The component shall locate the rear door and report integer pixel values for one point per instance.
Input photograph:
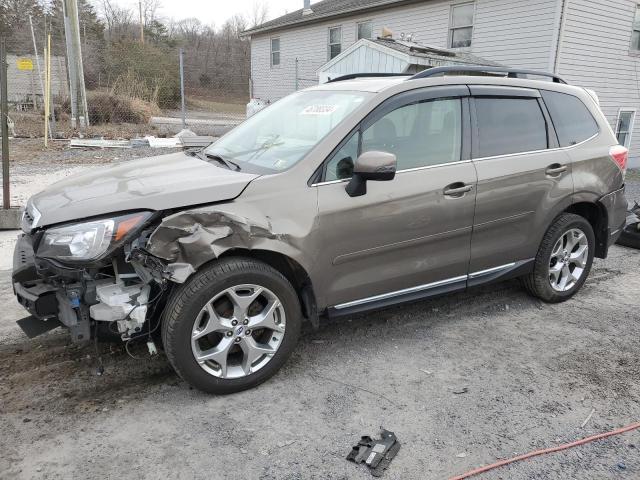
(522, 177)
(411, 234)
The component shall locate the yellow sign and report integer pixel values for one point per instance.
(25, 64)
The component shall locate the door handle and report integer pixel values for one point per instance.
(457, 189)
(556, 169)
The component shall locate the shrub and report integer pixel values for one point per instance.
(144, 71)
(106, 107)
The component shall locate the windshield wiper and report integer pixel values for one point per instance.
(224, 161)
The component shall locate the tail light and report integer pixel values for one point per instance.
(620, 155)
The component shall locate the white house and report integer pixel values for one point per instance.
(591, 43)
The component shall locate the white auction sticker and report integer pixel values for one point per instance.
(319, 110)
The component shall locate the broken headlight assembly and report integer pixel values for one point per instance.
(90, 240)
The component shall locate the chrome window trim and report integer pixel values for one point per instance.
(426, 286)
(532, 152)
(415, 169)
(427, 167)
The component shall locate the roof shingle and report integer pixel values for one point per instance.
(321, 10)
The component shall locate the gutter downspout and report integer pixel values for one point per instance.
(560, 38)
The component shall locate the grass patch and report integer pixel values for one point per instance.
(234, 106)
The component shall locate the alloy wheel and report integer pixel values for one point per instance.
(568, 260)
(238, 331)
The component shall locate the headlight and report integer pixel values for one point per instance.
(90, 240)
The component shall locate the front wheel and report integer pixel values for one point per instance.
(564, 259)
(231, 326)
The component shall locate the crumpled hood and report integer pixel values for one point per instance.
(154, 183)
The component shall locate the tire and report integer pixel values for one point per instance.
(214, 298)
(545, 282)
(630, 236)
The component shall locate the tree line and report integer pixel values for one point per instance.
(119, 54)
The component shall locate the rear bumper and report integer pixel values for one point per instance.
(616, 206)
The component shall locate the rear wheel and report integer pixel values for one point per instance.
(232, 326)
(564, 259)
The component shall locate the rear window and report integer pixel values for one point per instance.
(571, 118)
(510, 125)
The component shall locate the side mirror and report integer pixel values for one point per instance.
(374, 166)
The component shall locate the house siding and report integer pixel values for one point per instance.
(517, 33)
(596, 53)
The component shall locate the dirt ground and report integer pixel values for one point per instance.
(531, 374)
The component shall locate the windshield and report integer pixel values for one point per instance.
(279, 136)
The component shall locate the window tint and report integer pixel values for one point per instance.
(510, 125)
(341, 164)
(571, 118)
(421, 134)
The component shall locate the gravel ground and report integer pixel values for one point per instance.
(532, 373)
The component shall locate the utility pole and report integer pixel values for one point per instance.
(4, 113)
(35, 51)
(141, 23)
(79, 110)
(184, 110)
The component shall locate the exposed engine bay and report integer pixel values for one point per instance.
(119, 296)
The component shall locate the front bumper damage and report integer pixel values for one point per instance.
(115, 296)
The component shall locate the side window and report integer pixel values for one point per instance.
(335, 42)
(461, 25)
(340, 166)
(624, 127)
(275, 52)
(420, 134)
(635, 34)
(510, 125)
(571, 118)
(365, 30)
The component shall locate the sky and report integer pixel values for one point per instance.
(217, 11)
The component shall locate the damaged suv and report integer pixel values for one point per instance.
(342, 198)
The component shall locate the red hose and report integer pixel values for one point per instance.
(535, 453)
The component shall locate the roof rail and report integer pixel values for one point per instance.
(464, 69)
(352, 76)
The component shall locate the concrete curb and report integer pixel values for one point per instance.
(10, 219)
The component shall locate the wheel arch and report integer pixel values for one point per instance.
(596, 214)
(293, 272)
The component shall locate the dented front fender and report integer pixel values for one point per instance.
(260, 219)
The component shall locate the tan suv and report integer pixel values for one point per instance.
(349, 196)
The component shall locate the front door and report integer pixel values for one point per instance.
(522, 177)
(410, 234)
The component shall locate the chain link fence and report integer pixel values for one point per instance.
(137, 90)
(272, 79)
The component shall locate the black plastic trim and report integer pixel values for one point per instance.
(466, 69)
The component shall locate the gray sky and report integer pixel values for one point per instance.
(216, 11)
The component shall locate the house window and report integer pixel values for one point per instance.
(461, 29)
(365, 30)
(624, 127)
(335, 42)
(635, 35)
(275, 52)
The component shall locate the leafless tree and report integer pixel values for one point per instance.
(119, 20)
(258, 14)
(150, 11)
